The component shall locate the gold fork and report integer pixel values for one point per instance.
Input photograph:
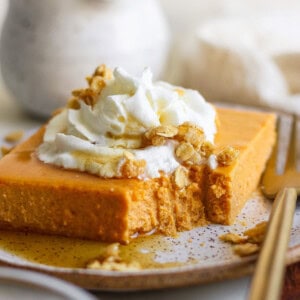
(281, 179)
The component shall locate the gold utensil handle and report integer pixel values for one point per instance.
(269, 271)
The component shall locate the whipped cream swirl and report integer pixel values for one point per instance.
(96, 138)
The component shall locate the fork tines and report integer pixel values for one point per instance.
(297, 142)
(288, 146)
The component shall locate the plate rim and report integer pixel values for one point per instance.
(152, 279)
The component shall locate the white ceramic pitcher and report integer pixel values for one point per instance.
(48, 47)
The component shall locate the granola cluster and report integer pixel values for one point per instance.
(227, 156)
(158, 136)
(192, 148)
(248, 243)
(91, 94)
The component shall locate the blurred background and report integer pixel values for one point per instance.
(237, 51)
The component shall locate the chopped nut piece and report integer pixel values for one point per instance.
(184, 151)
(257, 233)
(232, 238)
(73, 103)
(158, 135)
(183, 129)
(97, 84)
(103, 71)
(245, 249)
(249, 243)
(158, 141)
(227, 156)
(167, 131)
(196, 158)
(206, 149)
(181, 177)
(14, 136)
(191, 133)
(91, 94)
(86, 95)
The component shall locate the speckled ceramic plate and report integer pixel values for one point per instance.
(194, 257)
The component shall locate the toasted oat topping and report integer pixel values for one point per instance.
(87, 95)
(73, 103)
(227, 156)
(181, 177)
(184, 151)
(97, 84)
(158, 135)
(14, 136)
(257, 233)
(112, 261)
(191, 133)
(167, 131)
(206, 149)
(103, 72)
(249, 243)
(192, 149)
(195, 159)
(233, 238)
(90, 95)
(245, 249)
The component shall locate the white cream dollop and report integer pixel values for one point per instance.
(95, 139)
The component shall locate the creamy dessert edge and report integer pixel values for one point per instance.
(122, 126)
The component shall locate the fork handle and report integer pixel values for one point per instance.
(269, 270)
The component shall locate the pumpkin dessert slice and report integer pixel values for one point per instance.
(128, 156)
(39, 197)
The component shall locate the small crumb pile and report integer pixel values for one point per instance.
(249, 242)
(112, 261)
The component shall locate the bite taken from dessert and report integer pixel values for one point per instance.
(128, 156)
